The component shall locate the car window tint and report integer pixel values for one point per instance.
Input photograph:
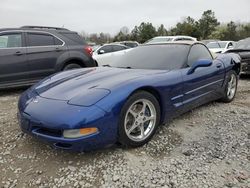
(187, 39)
(118, 48)
(213, 45)
(57, 41)
(160, 57)
(106, 49)
(37, 39)
(11, 40)
(74, 37)
(197, 52)
(178, 39)
(131, 45)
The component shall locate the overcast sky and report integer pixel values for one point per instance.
(110, 15)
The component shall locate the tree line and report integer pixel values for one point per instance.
(207, 27)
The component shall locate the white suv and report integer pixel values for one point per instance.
(163, 39)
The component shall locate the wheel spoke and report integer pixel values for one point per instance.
(134, 114)
(142, 130)
(144, 105)
(133, 127)
(146, 118)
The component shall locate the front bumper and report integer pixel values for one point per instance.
(46, 120)
(245, 68)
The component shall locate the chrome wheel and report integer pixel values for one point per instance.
(231, 87)
(140, 120)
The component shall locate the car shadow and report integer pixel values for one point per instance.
(245, 77)
(12, 91)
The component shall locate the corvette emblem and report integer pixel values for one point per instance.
(35, 100)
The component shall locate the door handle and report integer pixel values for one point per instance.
(18, 53)
(218, 65)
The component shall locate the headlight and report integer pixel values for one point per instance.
(77, 133)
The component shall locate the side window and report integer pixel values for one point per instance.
(105, 49)
(178, 39)
(37, 39)
(118, 48)
(13, 40)
(197, 52)
(230, 45)
(187, 39)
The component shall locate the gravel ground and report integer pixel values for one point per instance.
(208, 147)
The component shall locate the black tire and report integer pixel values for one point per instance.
(227, 98)
(72, 66)
(122, 135)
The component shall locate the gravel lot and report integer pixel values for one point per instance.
(208, 147)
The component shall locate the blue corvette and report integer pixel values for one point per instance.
(86, 109)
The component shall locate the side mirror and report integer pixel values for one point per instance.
(101, 52)
(199, 63)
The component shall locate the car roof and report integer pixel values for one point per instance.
(117, 44)
(176, 36)
(38, 28)
(221, 41)
(176, 42)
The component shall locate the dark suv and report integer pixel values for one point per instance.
(30, 53)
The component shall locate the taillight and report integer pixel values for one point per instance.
(89, 50)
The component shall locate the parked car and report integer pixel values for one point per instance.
(30, 53)
(209, 40)
(96, 107)
(130, 44)
(243, 49)
(108, 53)
(220, 46)
(163, 39)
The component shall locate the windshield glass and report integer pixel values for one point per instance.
(212, 45)
(94, 48)
(222, 44)
(166, 57)
(243, 44)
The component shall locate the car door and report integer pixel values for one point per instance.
(204, 83)
(43, 49)
(13, 59)
(104, 55)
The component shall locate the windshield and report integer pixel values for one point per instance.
(94, 48)
(161, 39)
(243, 44)
(212, 45)
(222, 44)
(166, 57)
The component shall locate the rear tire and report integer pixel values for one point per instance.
(139, 119)
(231, 87)
(72, 66)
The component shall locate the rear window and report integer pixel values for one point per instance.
(74, 37)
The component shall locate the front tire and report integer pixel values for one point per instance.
(231, 87)
(139, 119)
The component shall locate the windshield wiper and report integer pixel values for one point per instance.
(106, 65)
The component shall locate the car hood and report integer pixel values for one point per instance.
(91, 84)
